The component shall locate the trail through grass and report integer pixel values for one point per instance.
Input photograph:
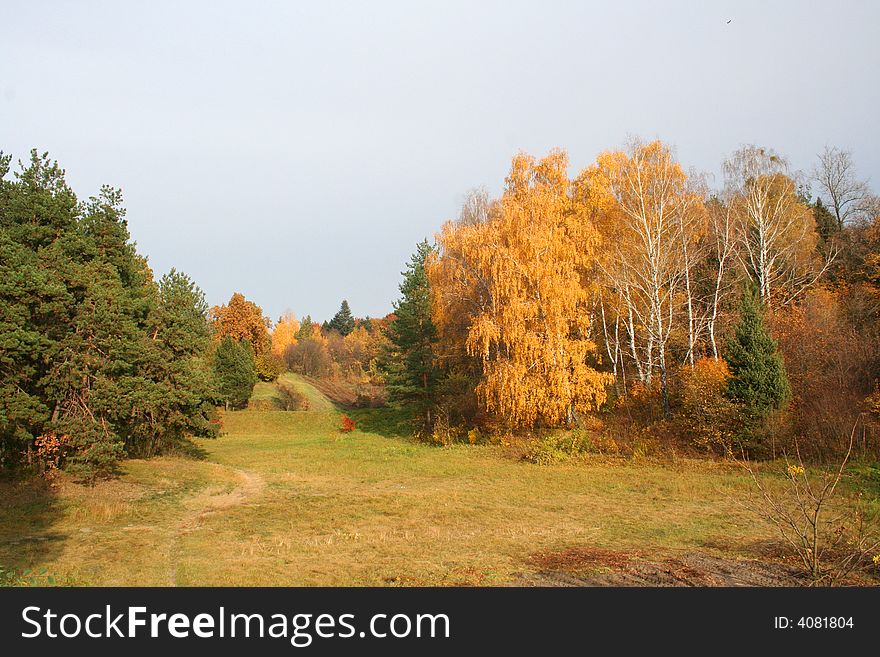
(284, 498)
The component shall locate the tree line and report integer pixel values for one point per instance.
(628, 288)
(631, 294)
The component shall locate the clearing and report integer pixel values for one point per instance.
(284, 498)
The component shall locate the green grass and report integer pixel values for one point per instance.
(284, 498)
(266, 395)
(317, 401)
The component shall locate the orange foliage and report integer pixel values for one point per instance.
(533, 258)
(51, 449)
(830, 368)
(707, 415)
(284, 334)
(242, 320)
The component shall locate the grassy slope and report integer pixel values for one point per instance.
(317, 401)
(284, 498)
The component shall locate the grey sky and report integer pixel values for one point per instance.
(297, 151)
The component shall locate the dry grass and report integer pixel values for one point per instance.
(285, 499)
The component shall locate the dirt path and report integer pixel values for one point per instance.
(208, 502)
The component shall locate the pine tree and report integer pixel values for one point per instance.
(93, 353)
(758, 380)
(411, 374)
(235, 371)
(342, 322)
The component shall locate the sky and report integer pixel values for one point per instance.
(297, 151)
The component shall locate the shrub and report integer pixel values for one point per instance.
(831, 537)
(51, 450)
(708, 417)
(831, 366)
(348, 425)
(558, 447)
(269, 366)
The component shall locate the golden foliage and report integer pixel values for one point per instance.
(651, 221)
(284, 334)
(707, 414)
(242, 320)
(525, 278)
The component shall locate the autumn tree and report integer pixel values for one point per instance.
(242, 320)
(775, 229)
(533, 337)
(310, 356)
(651, 221)
(284, 334)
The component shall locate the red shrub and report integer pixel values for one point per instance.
(348, 424)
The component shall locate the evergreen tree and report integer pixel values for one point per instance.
(411, 374)
(758, 380)
(93, 353)
(342, 322)
(235, 372)
(826, 222)
(305, 329)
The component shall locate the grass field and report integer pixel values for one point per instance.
(284, 498)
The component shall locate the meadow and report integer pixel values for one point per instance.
(285, 498)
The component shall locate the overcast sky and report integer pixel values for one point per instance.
(297, 151)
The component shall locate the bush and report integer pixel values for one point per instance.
(558, 447)
(831, 367)
(348, 425)
(708, 417)
(269, 366)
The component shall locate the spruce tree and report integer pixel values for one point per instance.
(235, 371)
(758, 380)
(411, 374)
(342, 322)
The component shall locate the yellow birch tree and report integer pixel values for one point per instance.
(530, 326)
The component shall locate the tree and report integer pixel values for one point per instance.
(532, 338)
(178, 400)
(757, 373)
(826, 222)
(775, 230)
(844, 193)
(235, 371)
(342, 322)
(306, 329)
(651, 221)
(722, 251)
(93, 353)
(284, 334)
(309, 356)
(409, 364)
(242, 320)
